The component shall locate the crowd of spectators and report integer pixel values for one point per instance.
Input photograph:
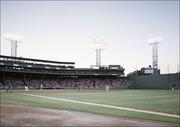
(69, 83)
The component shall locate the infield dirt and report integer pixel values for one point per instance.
(18, 115)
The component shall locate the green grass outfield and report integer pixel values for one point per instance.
(166, 101)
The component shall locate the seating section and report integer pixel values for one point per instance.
(67, 83)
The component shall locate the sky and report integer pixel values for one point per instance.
(65, 30)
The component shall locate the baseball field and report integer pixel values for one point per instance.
(154, 105)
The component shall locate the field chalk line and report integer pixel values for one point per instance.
(108, 106)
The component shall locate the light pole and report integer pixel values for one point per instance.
(98, 47)
(14, 40)
(154, 43)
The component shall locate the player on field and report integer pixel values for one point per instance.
(107, 88)
(41, 86)
(9, 88)
(26, 88)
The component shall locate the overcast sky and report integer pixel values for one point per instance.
(64, 31)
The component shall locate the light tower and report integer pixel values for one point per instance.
(154, 43)
(98, 46)
(14, 40)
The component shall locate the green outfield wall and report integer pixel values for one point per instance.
(163, 81)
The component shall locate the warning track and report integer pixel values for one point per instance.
(107, 106)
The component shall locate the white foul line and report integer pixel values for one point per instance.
(109, 106)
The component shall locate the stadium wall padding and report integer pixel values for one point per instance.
(163, 81)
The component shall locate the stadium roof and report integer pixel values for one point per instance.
(35, 60)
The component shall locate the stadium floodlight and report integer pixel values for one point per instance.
(14, 39)
(154, 42)
(158, 39)
(98, 46)
(151, 41)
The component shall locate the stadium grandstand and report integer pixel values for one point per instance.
(18, 72)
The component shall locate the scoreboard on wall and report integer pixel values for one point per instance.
(114, 66)
(149, 71)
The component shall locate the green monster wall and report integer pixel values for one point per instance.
(163, 81)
